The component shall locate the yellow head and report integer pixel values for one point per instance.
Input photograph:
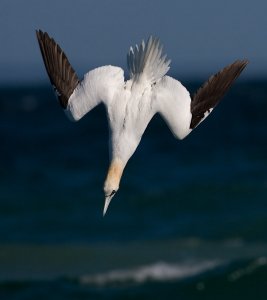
(112, 181)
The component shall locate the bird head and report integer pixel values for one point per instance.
(112, 181)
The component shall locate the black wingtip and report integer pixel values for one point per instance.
(39, 33)
(242, 63)
(61, 74)
(212, 91)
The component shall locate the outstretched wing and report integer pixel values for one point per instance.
(61, 74)
(78, 97)
(172, 100)
(212, 91)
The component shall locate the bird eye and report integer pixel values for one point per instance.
(112, 193)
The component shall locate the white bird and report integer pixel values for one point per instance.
(131, 104)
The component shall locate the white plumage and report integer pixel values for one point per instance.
(131, 104)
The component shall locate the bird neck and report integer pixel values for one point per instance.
(114, 173)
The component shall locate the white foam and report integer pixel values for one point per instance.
(159, 271)
(258, 263)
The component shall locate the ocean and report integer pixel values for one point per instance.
(189, 221)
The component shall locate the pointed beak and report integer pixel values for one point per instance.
(107, 202)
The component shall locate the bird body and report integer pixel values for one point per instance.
(131, 104)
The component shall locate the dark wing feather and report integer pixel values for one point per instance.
(60, 72)
(212, 91)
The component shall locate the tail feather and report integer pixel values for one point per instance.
(147, 59)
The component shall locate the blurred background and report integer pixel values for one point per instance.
(190, 219)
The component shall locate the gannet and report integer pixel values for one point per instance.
(131, 104)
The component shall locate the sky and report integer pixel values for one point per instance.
(200, 37)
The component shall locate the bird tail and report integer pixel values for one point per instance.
(146, 59)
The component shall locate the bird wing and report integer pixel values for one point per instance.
(212, 91)
(75, 96)
(60, 72)
(183, 114)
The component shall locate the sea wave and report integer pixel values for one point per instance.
(234, 279)
(251, 268)
(158, 271)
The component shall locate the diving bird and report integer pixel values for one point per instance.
(131, 104)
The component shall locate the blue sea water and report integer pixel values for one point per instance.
(189, 220)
